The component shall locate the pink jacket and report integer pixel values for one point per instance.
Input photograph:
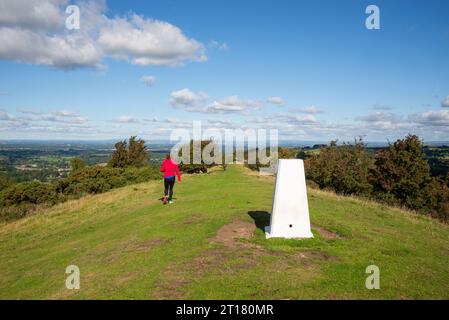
(170, 169)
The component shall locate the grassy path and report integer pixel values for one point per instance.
(127, 245)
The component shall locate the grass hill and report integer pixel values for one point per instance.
(209, 244)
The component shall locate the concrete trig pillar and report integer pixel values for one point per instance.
(290, 213)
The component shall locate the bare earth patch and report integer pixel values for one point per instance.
(229, 235)
(233, 255)
(326, 234)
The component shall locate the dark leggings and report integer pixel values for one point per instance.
(169, 183)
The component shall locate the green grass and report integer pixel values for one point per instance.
(127, 245)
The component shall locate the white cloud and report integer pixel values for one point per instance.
(430, 125)
(312, 110)
(36, 118)
(148, 42)
(309, 118)
(5, 116)
(61, 51)
(280, 120)
(65, 113)
(433, 124)
(276, 100)
(55, 114)
(188, 99)
(200, 102)
(308, 109)
(151, 119)
(445, 102)
(219, 123)
(127, 119)
(379, 117)
(34, 32)
(233, 104)
(432, 118)
(381, 121)
(32, 14)
(148, 80)
(29, 111)
(55, 118)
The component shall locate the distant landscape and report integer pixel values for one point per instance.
(47, 160)
(23, 160)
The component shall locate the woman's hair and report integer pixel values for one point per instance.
(167, 156)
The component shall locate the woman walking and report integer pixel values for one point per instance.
(170, 169)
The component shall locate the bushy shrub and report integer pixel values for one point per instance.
(402, 175)
(398, 175)
(16, 200)
(98, 179)
(77, 164)
(343, 168)
(5, 182)
(437, 200)
(142, 174)
(288, 153)
(30, 193)
(92, 179)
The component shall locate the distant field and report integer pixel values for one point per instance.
(210, 245)
(46, 162)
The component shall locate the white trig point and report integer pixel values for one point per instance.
(290, 214)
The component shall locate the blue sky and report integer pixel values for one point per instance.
(310, 69)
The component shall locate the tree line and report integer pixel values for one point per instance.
(397, 175)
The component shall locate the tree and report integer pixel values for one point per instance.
(132, 153)
(402, 173)
(138, 155)
(120, 155)
(77, 164)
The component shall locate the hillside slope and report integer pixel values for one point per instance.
(210, 244)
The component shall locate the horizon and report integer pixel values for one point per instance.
(282, 143)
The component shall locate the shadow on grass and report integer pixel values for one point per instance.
(261, 219)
